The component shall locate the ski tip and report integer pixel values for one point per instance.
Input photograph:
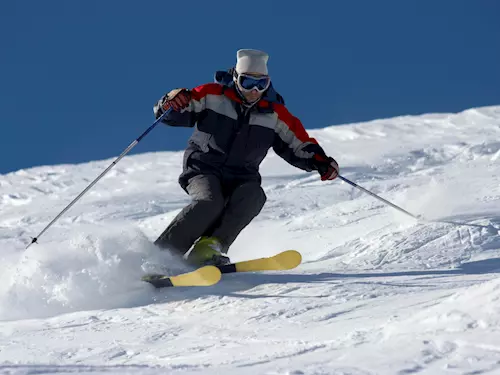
(289, 259)
(204, 276)
(292, 253)
(285, 260)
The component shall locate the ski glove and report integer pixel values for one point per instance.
(176, 99)
(327, 167)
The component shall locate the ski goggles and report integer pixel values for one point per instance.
(249, 83)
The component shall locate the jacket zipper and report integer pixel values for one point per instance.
(243, 115)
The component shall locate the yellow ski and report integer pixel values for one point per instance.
(210, 275)
(285, 260)
(204, 276)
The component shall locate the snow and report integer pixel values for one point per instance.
(377, 293)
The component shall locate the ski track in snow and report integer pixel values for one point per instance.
(377, 293)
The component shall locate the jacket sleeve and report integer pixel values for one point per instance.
(188, 116)
(292, 142)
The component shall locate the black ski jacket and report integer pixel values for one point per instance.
(230, 140)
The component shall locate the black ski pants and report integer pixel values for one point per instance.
(217, 209)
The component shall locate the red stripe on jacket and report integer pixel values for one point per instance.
(293, 123)
(201, 91)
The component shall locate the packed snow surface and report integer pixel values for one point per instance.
(378, 292)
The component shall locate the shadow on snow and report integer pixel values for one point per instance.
(231, 284)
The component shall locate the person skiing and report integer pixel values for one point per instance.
(236, 121)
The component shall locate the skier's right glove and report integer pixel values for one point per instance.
(176, 99)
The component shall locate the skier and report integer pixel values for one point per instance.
(237, 120)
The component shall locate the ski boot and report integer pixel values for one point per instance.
(208, 252)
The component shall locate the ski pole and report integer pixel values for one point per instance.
(420, 218)
(125, 152)
(379, 198)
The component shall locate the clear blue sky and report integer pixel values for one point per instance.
(78, 78)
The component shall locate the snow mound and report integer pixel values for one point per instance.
(94, 268)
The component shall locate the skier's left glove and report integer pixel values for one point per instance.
(327, 167)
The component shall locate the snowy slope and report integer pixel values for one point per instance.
(378, 293)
